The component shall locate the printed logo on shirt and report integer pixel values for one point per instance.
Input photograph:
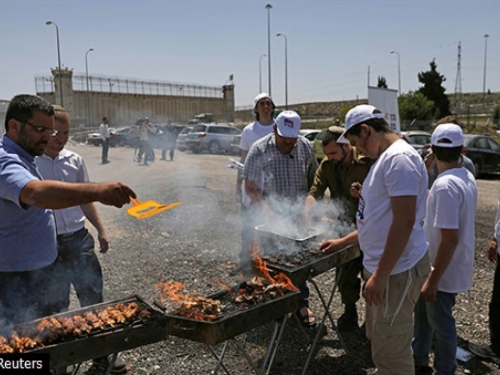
(361, 209)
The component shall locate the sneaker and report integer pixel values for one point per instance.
(99, 366)
(348, 321)
(484, 352)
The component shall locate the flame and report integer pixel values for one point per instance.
(225, 286)
(188, 304)
(261, 266)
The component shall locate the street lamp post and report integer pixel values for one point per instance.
(260, 72)
(399, 73)
(286, 68)
(58, 60)
(486, 36)
(88, 92)
(269, 7)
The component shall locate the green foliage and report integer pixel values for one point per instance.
(343, 111)
(496, 115)
(382, 82)
(432, 89)
(415, 105)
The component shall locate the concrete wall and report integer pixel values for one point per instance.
(125, 108)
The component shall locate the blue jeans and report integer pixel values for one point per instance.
(105, 149)
(436, 318)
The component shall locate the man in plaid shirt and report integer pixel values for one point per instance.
(279, 169)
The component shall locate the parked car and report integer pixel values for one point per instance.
(318, 147)
(118, 137)
(310, 135)
(235, 145)
(181, 138)
(213, 138)
(484, 153)
(418, 139)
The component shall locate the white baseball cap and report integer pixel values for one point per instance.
(358, 115)
(447, 135)
(260, 97)
(288, 124)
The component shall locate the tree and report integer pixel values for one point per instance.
(433, 90)
(496, 115)
(382, 82)
(415, 105)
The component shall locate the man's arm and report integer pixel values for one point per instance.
(446, 249)
(239, 180)
(403, 212)
(56, 194)
(336, 244)
(93, 216)
(253, 192)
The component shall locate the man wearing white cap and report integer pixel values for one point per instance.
(390, 218)
(278, 173)
(449, 227)
(263, 108)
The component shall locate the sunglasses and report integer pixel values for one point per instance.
(42, 129)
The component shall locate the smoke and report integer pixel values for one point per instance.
(286, 225)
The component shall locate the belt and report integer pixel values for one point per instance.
(70, 236)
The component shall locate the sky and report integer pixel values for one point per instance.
(331, 45)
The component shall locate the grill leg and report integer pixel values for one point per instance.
(323, 319)
(276, 344)
(219, 359)
(244, 352)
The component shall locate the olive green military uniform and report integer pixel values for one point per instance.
(338, 179)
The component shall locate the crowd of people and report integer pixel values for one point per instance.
(417, 239)
(414, 219)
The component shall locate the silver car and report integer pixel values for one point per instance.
(213, 138)
(181, 138)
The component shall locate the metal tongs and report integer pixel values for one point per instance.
(142, 210)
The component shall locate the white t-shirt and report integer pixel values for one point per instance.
(399, 171)
(451, 204)
(252, 133)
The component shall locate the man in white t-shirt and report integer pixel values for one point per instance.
(390, 231)
(104, 134)
(263, 109)
(449, 227)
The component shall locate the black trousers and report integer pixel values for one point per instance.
(28, 295)
(494, 312)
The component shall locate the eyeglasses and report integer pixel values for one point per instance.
(43, 130)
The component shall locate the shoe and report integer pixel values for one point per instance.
(306, 317)
(348, 321)
(424, 370)
(99, 366)
(484, 352)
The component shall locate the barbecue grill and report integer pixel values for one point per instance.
(105, 341)
(308, 261)
(304, 262)
(236, 321)
(230, 325)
